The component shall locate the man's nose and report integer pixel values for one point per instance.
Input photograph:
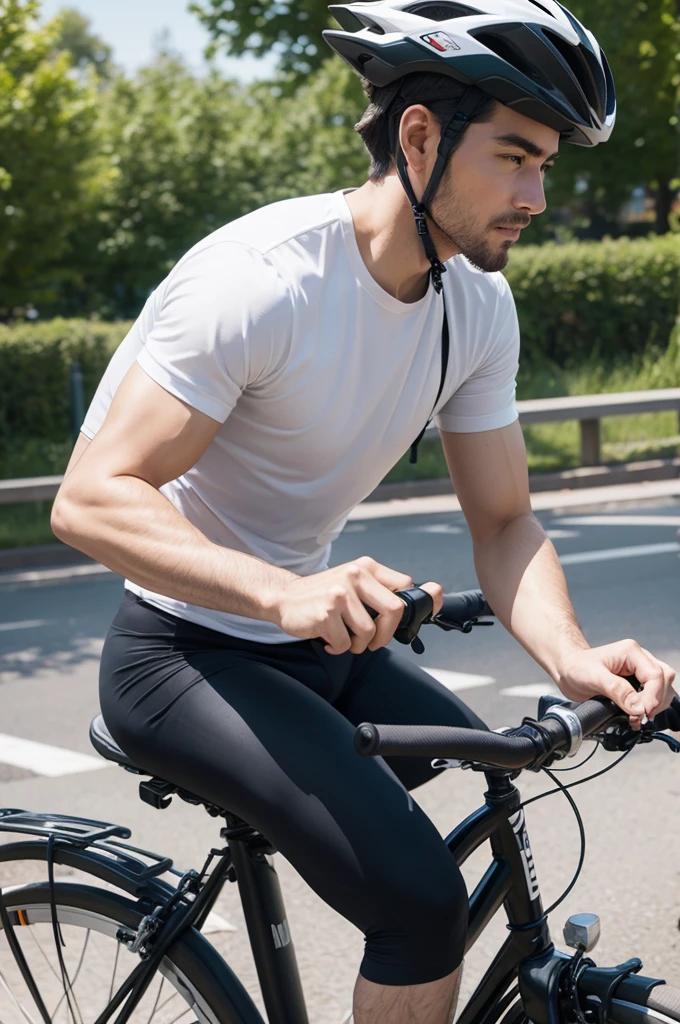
(531, 196)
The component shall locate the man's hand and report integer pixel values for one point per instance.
(602, 670)
(331, 605)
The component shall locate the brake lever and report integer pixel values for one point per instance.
(670, 741)
(460, 627)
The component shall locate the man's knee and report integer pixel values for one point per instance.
(422, 937)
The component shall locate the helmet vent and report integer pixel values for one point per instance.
(441, 12)
(503, 49)
(544, 9)
(576, 59)
(352, 22)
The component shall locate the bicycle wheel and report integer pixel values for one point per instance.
(516, 1014)
(192, 986)
(662, 1004)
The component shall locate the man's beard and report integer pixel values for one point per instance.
(450, 216)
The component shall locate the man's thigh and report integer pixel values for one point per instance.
(388, 688)
(252, 739)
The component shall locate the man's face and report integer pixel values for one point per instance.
(494, 180)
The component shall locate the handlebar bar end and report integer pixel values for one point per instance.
(366, 739)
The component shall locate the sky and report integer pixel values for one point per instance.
(131, 26)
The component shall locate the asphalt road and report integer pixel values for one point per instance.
(622, 571)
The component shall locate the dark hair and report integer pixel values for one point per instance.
(379, 127)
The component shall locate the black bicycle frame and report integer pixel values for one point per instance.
(510, 881)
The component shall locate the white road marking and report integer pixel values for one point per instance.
(456, 681)
(534, 690)
(47, 575)
(435, 528)
(562, 534)
(611, 554)
(615, 520)
(215, 923)
(7, 627)
(42, 759)
(540, 501)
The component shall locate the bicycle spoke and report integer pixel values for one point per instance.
(19, 1006)
(75, 978)
(167, 1001)
(155, 1005)
(43, 954)
(113, 976)
(189, 1009)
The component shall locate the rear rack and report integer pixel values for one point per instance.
(82, 833)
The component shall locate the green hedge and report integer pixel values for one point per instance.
(583, 304)
(587, 302)
(35, 362)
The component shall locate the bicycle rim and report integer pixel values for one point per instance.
(96, 961)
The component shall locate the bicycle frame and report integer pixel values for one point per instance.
(526, 956)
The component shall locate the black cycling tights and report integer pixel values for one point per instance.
(265, 731)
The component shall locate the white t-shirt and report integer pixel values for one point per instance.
(274, 327)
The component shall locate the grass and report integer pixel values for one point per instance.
(550, 446)
(26, 525)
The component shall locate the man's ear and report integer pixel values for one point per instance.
(419, 135)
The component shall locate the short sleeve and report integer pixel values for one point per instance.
(218, 316)
(486, 399)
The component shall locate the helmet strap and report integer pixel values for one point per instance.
(469, 105)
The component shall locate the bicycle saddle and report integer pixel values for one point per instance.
(104, 743)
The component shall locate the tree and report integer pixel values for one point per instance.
(642, 41)
(290, 27)
(48, 166)
(182, 156)
(87, 50)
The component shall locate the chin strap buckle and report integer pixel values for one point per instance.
(421, 222)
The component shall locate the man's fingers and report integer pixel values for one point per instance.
(624, 695)
(389, 607)
(436, 593)
(390, 578)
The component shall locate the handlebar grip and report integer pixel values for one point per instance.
(597, 712)
(444, 741)
(670, 718)
(469, 604)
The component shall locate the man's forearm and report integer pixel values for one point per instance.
(129, 526)
(523, 581)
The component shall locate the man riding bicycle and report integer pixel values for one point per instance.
(285, 363)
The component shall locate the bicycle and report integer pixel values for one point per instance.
(159, 924)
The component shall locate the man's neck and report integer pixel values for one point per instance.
(386, 235)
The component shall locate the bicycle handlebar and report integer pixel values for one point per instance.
(501, 750)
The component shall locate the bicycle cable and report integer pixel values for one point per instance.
(560, 787)
(580, 764)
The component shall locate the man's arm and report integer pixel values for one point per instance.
(521, 576)
(110, 506)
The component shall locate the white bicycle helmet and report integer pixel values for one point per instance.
(534, 57)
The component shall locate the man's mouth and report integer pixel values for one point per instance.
(512, 233)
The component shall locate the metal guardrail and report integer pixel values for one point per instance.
(587, 409)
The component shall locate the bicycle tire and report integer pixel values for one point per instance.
(663, 999)
(192, 965)
(516, 1014)
(661, 1004)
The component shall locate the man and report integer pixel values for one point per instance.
(271, 380)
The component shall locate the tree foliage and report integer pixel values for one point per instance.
(47, 155)
(292, 28)
(86, 49)
(641, 39)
